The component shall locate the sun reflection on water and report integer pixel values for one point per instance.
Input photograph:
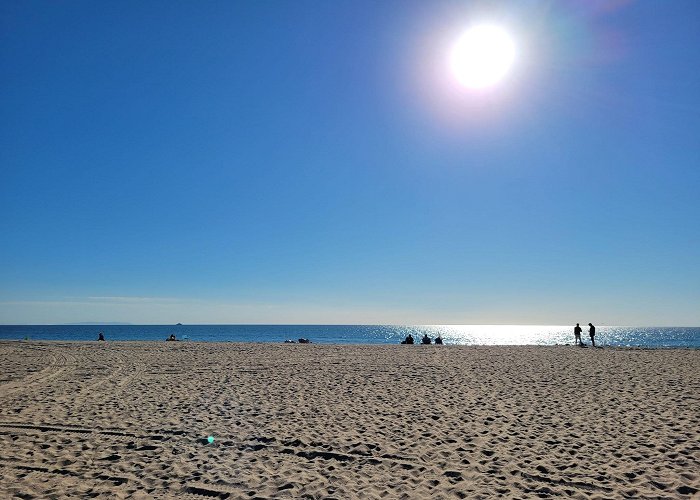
(491, 334)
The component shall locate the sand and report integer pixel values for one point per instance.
(89, 419)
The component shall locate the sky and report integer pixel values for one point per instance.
(318, 162)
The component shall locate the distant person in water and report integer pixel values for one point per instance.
(438, 340)
(101, 336)
(171, 338)
(577, 334)
(408, 339)
(426, 339)
(591, 332)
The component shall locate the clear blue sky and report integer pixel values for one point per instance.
(316, 162)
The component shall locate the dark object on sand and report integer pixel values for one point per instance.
(304, 341)
(101, 336)
(438, 340)
(408, 340)
(426, 340)
(288, 341)
(171, 338)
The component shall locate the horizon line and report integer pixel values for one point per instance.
(332, 324)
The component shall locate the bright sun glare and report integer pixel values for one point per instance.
(482, 56)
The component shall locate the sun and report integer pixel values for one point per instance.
(482, 56)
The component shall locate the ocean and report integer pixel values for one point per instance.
(657, 337)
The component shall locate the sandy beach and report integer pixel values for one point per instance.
(134, 420)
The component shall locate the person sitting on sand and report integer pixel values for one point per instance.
(438, 340)
(591, 332)
(426, 339)
(408, 340)
(171, 338)
(101, 336)
(577, 334)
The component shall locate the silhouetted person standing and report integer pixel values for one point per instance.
(591, 332)
(577, 335)
(101, 336)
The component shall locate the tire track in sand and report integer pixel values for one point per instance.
(59, 363)
(113, 375)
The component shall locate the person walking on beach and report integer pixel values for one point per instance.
(591, 332)
(577, 334)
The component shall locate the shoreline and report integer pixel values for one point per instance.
(133, 419)
(349, 344)
(375, 335)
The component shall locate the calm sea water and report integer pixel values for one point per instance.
(365, 334)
